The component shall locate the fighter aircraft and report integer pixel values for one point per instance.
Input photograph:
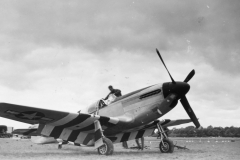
(39, 139)
(131, 116)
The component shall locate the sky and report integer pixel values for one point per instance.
(62, 55)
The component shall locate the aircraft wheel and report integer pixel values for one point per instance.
(106, 148)
(167, 146)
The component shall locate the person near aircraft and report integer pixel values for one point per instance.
(111, 96)
(140, 146)
(113, 91)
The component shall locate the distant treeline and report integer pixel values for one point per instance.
(210, 131)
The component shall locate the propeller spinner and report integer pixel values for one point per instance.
(181, 89)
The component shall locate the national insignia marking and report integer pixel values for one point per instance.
(29, 115)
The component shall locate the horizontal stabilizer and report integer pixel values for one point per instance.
(168, 122)
(26, 132)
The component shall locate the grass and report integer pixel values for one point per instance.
(11, 149)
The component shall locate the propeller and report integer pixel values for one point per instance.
(189, 111)
(190, 75)
(175, 87)
(165, 65)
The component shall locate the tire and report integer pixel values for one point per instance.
(168, 146)
(106, 148)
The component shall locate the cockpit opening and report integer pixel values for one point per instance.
(95, 107)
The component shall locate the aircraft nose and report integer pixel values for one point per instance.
(179, 88)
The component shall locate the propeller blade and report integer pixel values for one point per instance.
(190, 75)
(189, 111)
(165, 66)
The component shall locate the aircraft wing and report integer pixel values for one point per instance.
(30, 115)
(53, 123)
(146, 130)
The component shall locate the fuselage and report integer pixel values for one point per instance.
(137, 108)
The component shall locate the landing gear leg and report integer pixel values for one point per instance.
(166, 145)
(103, 144)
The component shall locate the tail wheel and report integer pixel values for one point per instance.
(166, 146)
(106, 148)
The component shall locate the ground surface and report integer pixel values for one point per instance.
(209, 149)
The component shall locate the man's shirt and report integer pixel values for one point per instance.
(116, 92)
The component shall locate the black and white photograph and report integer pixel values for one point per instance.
(119, 79)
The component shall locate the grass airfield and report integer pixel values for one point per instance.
(199, 148)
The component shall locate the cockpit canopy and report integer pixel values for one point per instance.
(100, 104)
(93, 107)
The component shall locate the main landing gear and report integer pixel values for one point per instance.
(103, 144)
(166, 145)
(107, 147)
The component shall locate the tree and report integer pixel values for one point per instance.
(191, 131)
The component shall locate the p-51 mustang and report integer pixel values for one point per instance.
(131, 116)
